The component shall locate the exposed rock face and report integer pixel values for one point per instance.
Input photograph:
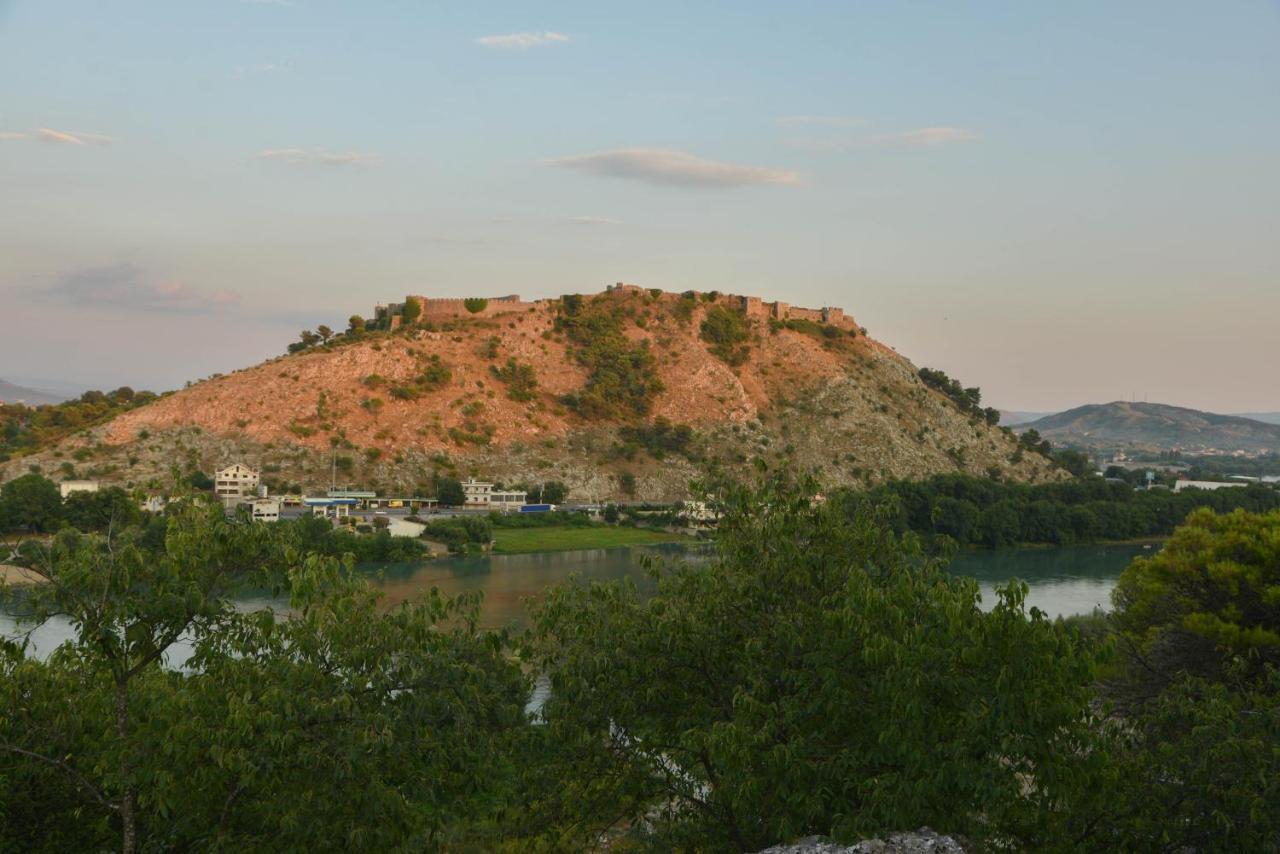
(846, 408)
(923, 841)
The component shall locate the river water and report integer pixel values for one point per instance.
(1062, 581)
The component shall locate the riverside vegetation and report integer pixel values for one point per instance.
(822, 674)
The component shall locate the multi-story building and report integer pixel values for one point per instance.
(235, 483)
(476, 493)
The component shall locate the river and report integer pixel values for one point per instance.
(1062, 581)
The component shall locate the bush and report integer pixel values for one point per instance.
(475, 305)
(726, 331)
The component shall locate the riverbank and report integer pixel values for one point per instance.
(16, 576)
(508, 541)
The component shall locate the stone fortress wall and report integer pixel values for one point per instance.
(439, 309)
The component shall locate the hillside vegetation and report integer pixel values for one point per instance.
(621, 394)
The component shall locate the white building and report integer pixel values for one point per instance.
(476, 493)
(265, 510)
(235, 483)
(508, 500)
(70, 487)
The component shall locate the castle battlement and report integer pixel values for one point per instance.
(447, 308)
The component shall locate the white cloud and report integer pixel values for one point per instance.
(12, 134)
(927, 136)
(315, 156)
(820, 121)
(127, 287)
(674, 169)
(594, 220)
(522, 41)
(67, 137)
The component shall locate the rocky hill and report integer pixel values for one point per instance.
(1156, 425)
(625, 394)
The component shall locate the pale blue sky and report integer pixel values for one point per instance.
(1060, 202)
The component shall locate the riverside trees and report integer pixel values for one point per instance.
(336, 727)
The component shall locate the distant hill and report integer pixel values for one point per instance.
(1265, 417)
(1012, 418)
(1158, 426)
(10, 393)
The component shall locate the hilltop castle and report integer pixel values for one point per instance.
(440, 309)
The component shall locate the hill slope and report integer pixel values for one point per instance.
(1158, 426)
(591, 392)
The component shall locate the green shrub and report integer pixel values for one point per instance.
(726, 331)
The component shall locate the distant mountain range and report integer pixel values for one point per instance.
(10, 393)
(1156, 425)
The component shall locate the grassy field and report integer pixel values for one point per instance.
(556, 539)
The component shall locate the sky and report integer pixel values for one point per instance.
(1062, 203)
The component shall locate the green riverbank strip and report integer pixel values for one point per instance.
(523, 540)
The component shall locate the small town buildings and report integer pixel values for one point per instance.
(71, 487)
(154, 503)
(476, 493)
(235, 484)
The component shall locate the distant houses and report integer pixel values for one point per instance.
(481, 494)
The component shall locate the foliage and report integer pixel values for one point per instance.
(435, 374)
(818, 676)
(521, 380)
(200, 480)
(727, 332)
(622, 377)
(1211, 595)
(549, 492)
(475, 305)
(106, 509)
(449, 492)
(969, 400)
(31, 504)
(459, 532)
(335, 728)
(25, 429)
(980, 512)
(411, 312)
(658, 438)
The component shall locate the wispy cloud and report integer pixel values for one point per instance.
(128, 287)
(316, 156)
(820, 121)
(670, 168)
(594, 220)
(927, 136)
(69, 137)
(522, 41)
(12, 134)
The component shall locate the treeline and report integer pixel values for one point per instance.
(32, 504)
(969, 400)
(816, 675)
(26, 429)
(978, 512)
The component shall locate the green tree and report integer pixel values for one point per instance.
(335, 728)
(449, 492)
(726, 331)
(819, 675)
(31, 504)
(411, 312)
(1209, 596)
(553, 492)
(356, 326)
(324, 332)
(109, 508)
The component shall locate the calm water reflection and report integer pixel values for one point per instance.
(1062, 581)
